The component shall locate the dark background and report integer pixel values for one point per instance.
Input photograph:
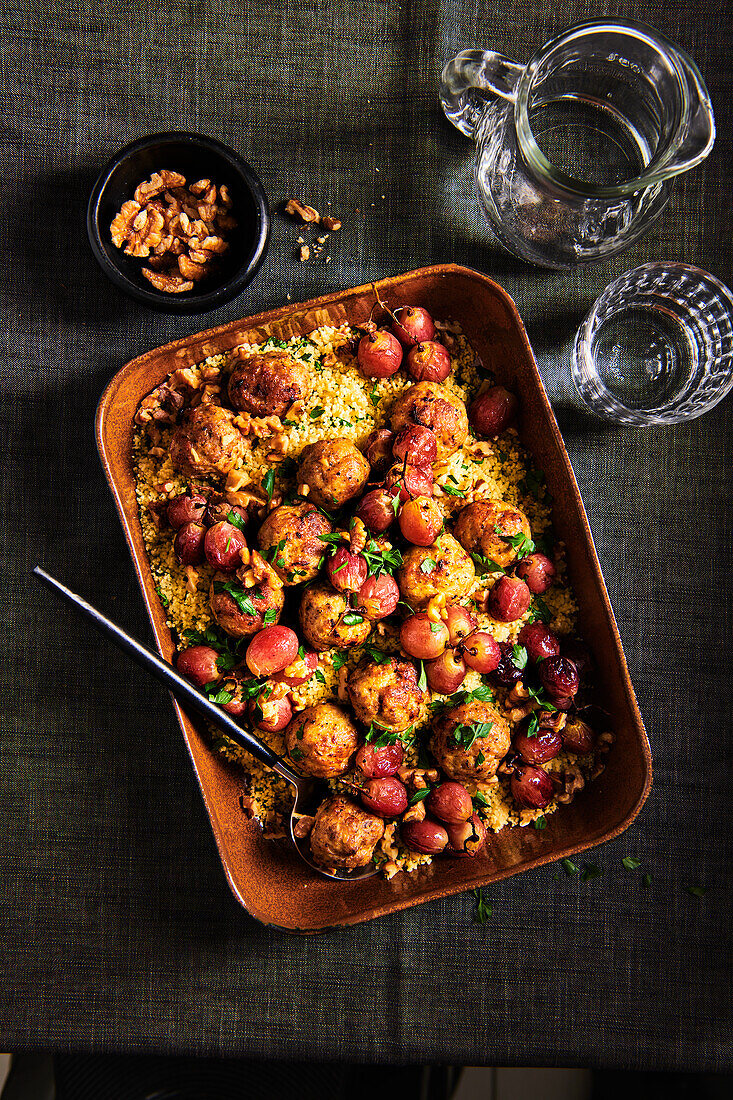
(118, 929)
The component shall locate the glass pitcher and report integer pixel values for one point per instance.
(576, 150)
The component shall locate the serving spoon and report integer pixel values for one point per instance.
(309, 793)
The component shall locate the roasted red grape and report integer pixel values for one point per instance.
(412, 481)
(427, 837)
(413, 324)
(509, 599)
(446, 673)
(198, 663)
(379, 596)
(223, 545)
(559, 677)
(422, 638)
(450, 802)
(428, 362)
(537, 572)
(507, 672)
(420, 520)
(346, 571)
(378, 450)
(377, 762)
(577, 736)
(271, 650)
(385, 797)
(376, 510)
(270, 714)
(189, 543)
(460, 622)
(544, 746)
(468, 838)
(481, 652)
(379, 354)
(532, 788)
(539, 641)
(186, 508)
(492, 411)
(416, 445)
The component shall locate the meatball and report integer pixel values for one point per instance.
(267, 384)
(334, 470)
(419, 579)
(289, 539)
(436, 408)
(241, 611)
(321, 741)
(386, 694)
(344, 836)
(327, 620)
(476, 530)
(206, 442)
(470, 741)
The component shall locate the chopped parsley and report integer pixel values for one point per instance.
(453, 491)
(270, 616)
(268, 484)
(428, 565)
(317, 412)
(320, 677)
(540, 611)
(519, 656)
(381, 559)
(646, 880)
(218, 695)
(540, 822)
(465, 735)
(162, 597)
(483, 909)
(377, 655)
(589, 872)
(569, 867)
(696, 891)
(419, 796)
(422, 681)
(338, 662)
(238, 594)
(236, 520)
(486, 565)
(352, 618)
(631, 863)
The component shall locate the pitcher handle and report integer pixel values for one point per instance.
(699, 135)
(471, 80)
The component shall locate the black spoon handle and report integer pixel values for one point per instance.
(185, 692)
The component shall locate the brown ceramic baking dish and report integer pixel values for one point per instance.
(272, 883)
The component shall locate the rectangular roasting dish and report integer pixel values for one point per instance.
(272, 883)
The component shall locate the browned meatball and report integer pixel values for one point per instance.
(452, 572)
(327, 620)
(268, 384)
(436, 408)
(334, 470)
(241, 611)
(476, 530)
(321, 741)
(344, 836)
(470, 741)
(207, 442)
(386, 694)
(289, 539)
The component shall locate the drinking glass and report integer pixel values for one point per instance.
(657, 346)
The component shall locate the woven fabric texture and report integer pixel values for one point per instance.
(119, 931)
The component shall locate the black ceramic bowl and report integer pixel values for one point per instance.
(196, 157)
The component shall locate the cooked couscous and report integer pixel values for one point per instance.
(248, 468)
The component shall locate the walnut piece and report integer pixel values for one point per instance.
(170, 284)
(307, 214)
(333, 224)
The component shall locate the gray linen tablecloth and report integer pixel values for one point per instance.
(118, 929)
